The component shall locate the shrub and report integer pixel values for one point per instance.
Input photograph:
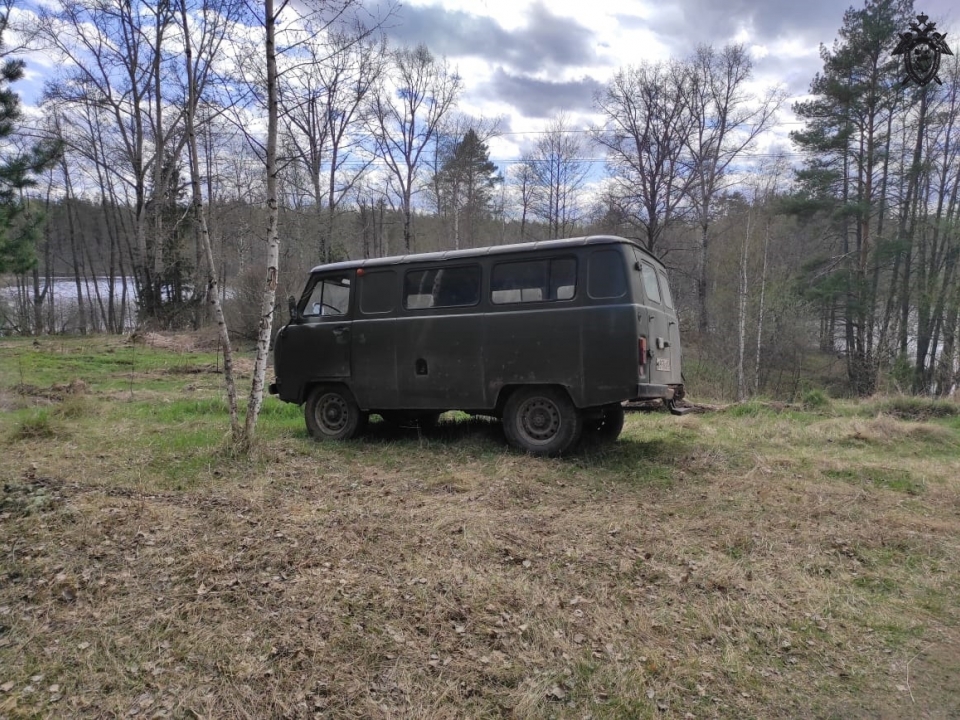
(38, 426)
(815, 400)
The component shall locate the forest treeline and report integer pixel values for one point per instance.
(849, 253)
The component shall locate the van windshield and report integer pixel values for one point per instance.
(330, 296)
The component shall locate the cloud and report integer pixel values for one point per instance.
(540, 98)
(545, 42)
(690, 22)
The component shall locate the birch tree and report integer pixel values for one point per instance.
(200, 48)
(286, 28)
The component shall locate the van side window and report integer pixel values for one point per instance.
(330, 296)
(606, 277)
(650, 283)
(533, 281)
(667, 299)
(442, 287)
(378, 291)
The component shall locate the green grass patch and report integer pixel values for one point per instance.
(38, 425)
(895, 479)
(876, 584)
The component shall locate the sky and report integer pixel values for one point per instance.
(528, 60)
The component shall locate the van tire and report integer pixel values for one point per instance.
(541, 420)
(332, 413)
(608, 427)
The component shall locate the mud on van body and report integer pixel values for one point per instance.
(549, 336)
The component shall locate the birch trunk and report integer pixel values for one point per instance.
(213, 293)
(273, 239)
(742, 315)
(763, 290)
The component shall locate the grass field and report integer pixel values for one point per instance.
(763, 560)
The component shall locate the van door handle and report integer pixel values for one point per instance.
(340, 331)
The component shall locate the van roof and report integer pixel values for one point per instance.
(480, 252)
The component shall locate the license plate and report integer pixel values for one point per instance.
(663, 364)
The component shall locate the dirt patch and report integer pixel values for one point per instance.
(55, 393)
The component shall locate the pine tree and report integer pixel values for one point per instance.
(18, 223)
(465, 185)
(848, 133)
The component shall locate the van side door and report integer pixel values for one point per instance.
(376, 338)
(440, 337)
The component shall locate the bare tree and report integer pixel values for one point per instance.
(406, 113)
(559, 172)
(523, 177)
(322, 100)
(647, 130)
(113, 58)
(197, 68)
(763, 190)
(727, 120)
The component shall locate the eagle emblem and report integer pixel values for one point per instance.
(922, 47)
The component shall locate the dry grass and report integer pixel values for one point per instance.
(705, 566)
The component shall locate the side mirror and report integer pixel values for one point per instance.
(292, 304)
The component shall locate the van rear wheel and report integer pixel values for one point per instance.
(332, 413)
(542, 421)
(608, 426)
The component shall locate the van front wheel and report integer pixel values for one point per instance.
(541, 421)
(332, 413)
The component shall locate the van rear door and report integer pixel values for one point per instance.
(675, 351)
(659, 357)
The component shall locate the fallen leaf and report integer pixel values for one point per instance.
(556, 693)
(7, 686)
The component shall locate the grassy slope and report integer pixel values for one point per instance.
(759, 562)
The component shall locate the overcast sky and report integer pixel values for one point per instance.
(529, 59)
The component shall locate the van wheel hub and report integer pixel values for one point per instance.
(539, 419)
(333, 413)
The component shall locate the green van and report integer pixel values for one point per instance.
(549, 336)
